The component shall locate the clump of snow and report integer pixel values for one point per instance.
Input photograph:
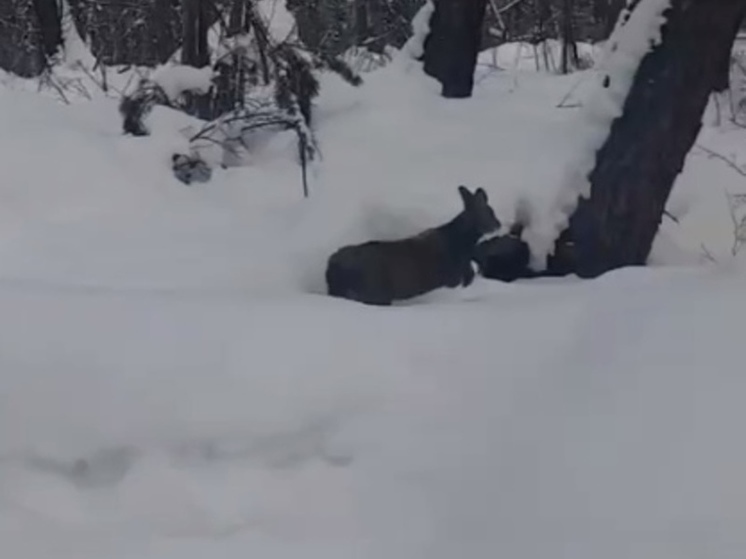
(636, 33)
(280, 22)
(242, 42)
(75, 50)
(175, 79)
(415, 45)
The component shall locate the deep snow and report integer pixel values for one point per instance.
(173, 382)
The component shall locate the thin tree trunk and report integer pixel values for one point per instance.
(194, 50)
(570, 59)
(452, 45)
(362, 26)
(647, 146)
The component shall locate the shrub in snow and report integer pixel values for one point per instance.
(736, 94)
(293, 87)
(238, 101)
(136, 106)
(736, 206)
(166, 86)
(380, 272)
(232, 130)
(363, 60)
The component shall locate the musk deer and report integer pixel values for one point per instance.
(381, 272)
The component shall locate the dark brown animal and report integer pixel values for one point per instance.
(506, 257)
(380, 272)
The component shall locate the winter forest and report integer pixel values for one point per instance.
(394, 279)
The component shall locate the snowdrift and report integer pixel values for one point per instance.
(173, 383)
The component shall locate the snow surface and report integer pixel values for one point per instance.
(174, 384)
(415, 45)
(176, 79)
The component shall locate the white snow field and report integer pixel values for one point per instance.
(175, 384)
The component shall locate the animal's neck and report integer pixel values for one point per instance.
(461, 232)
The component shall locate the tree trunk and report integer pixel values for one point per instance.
(50, 25)
(194, 50)
(362, 26)
(606, 13)
(570, 58)
(722, 80)
(647, 146)
(452, 46)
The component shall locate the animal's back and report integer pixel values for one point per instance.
(381, 271)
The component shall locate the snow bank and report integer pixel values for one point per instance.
(175, 79)
(485, 426)
(170, 388)
(76, 226)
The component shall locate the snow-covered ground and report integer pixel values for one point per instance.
(174, 383)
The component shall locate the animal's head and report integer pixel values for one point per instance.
(478, 211)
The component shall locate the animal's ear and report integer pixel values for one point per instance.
(466, 196)
(480, 195)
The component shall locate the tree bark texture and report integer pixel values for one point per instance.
(195, 52)
(637, 166)
(50, 25)
(452, 46)
(570, 57)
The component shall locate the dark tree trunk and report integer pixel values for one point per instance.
(194, 50)
(570, 59)
(362, 25)
(612, 15)
(50, 25)
(606, 13)
(452, 46)
(646, 148)
(163, 36)
(722, 80)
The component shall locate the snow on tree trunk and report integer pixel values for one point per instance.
(637, 165)
(415, 47)
(452, 46)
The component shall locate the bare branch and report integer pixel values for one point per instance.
(715, 155)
